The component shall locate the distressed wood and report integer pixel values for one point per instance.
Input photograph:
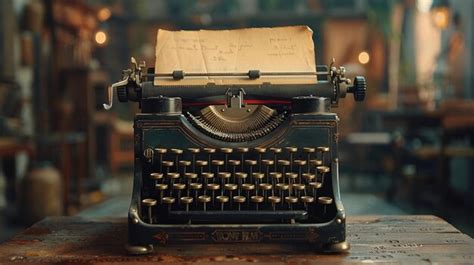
(374, 239)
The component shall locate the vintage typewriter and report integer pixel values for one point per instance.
(247, 163)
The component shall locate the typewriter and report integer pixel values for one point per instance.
(236, 163)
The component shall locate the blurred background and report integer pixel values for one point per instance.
(407, 149)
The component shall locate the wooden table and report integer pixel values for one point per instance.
(374, 239)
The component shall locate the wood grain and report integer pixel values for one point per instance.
(374, 239)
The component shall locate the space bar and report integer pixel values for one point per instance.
(237, 215)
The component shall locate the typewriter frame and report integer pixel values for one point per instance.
(328, 237)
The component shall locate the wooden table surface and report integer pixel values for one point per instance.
(374, 239)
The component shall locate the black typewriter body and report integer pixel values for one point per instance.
(237, 168)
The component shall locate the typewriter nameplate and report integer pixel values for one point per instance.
(236, 236)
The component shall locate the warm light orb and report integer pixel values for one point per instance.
(104, 14)
(364, 57)
(100, 37)
(441, 17)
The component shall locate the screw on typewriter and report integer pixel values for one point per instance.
(224, 163)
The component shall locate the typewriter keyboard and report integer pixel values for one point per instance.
(217, 185)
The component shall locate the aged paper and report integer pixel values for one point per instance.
(281, 49)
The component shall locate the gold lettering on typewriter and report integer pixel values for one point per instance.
(229, 236)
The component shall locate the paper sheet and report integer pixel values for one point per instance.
(281, 49)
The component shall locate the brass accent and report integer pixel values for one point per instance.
(307, 199)
(248, 186)
(265, 186)
(323, 169)
(325, 200)
(241, 175)
(250, 162)
(186, 201)
(222, 199)
(161, 150)
(315, 185)
(291, 200)
(213, 186)
(148, 154)
(194, 150)
(172, 175)
(176, 151)
(275, 175)
(226, 150)
(298, 186)
(291, 149)
(316, 162)
(217, 162)
(257, 199)
(291, 175)
(282, 186)
(149, 202)
(239, 199)
(156, 176)
(204, 199)
(168, 200)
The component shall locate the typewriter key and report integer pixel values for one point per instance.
(274, 200)
(149, 203)
(190, 177)
(213, 187)
(161, 152)
(276, 176)
(201, 164)
(222, 199)
(239, 200)
(196, 187)
(264, 187)
(186, 201)
(308, 177)
(179, 187)
(233, 164)
(309, 151)
(260, 151)
(241, 176)
(291, 200)
(167, 164)
(184, 164)
(169, 201)
(323, 170)
(291, 150)
(300, 164)
(224, 176)
(226, 152)
(209, 152)
(204, 199)
(242, 151)
(258, 178)
(156, 177)
(315, 186)
(257, 200)
(325, 201)
(306, 200)
(248, 187)
(283, 164)
(161, 187)
(276, 151)
(194, 152)
(322, 150)
(298, 187)
(267, 163)
(172, 176)
(206, 176)
(250, 163)
(177, 153)
(290, 176)
(230, 187)
(217, 164)
(282, 187)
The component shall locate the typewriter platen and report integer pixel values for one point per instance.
(243, 163)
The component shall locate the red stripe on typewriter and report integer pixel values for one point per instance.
(250, 102)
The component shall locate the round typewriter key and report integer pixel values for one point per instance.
(322, 150)
(283, 164)
(276, 176)
(300, 164)
(201, 164)
(206, 176)
(308, 177)
(233, 164)
(309, 151)
(242, 151)
(291, 177)
(194, 152)
(306, 200)
(323, 170)
(274, 200)
(179, 187)
(258, 178)
(222, 200)
(239, 200)
(282, 187)
(149, 203)
(241, 176)
(257, 200)
(172, 176)
(190, 176)
(167, 164)
(291, 200)
(196, 187)
(186, 201)
(276, 151)
(315, 186)
(184, 164)
(247, 187)
(260, 151)
(224, 176)
(217, 164)
(230, 187)
(156, 177)
(226, 151)
(209, 151)
(267, 163)
(161, 187)
(298, 187)
(291, 150)
(177, 152)
(213, 187)
(264, 187)
(250, 162)
(325, 201)
(161, 151)
(204, 199)
(169, 201)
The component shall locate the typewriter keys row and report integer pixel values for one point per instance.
(223, 200)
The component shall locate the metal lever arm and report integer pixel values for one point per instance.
(110, 92)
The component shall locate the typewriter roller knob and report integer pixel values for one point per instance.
(222, 200)
(186, 201)
(169, 201)
(358, 88)
(149, 203)
(306, 200)
(204, 199)
(274, 200)
(325, 201)
(239, 200)
(257, 200)
(291, 200)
